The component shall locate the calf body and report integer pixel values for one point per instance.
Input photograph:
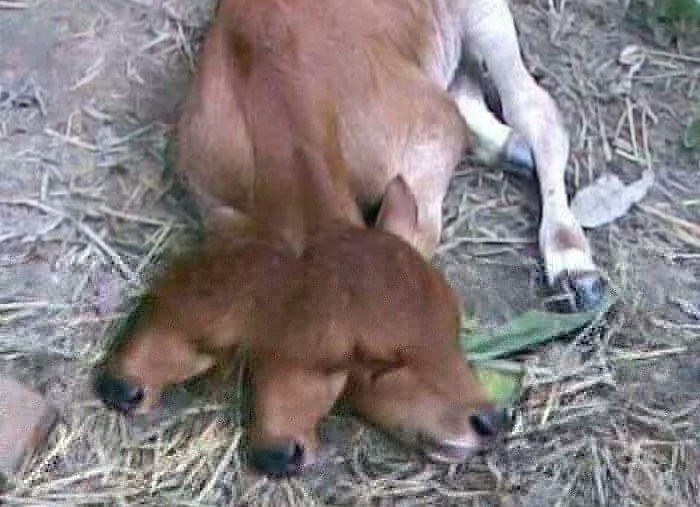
(363, 92)
(304, 117)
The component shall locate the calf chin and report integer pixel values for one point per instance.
(480, 431)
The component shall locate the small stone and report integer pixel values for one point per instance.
(26, 419)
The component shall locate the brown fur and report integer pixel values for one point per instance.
(323, 104)
(303, 114)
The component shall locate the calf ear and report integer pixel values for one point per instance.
(399, 211)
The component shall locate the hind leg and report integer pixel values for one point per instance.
(489, 31)
(495, 141)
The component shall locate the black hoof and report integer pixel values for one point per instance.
(578, 292)
(518, 154)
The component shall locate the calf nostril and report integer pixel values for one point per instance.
(116, 393)
(491, 423)
(279, 461)
(482, 425)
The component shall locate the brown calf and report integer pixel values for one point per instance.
(304, 116)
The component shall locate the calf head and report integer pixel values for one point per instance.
(359, 315)
(378, 326)
(194, 318)
(368, 320)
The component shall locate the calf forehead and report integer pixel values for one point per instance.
(374, 286)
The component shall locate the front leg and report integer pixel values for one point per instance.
(489, 31)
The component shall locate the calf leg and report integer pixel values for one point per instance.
(489, 32)
(495, 141)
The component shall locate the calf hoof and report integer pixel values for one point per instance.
(518, 154)
(278, 461)
(578, 292)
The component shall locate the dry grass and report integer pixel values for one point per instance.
(610, 416)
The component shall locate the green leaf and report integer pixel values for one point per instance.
(674, 10)
(503, 379)
(502, 387)
(527, 330)
(691, 136)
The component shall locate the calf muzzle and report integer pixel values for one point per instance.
(278, 461)
(117, 394)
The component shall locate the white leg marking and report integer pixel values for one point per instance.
(490, 31)
(492, 135)
(563, 244)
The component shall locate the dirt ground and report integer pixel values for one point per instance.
(89, 92)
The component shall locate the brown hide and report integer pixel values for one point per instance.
(303, 115)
